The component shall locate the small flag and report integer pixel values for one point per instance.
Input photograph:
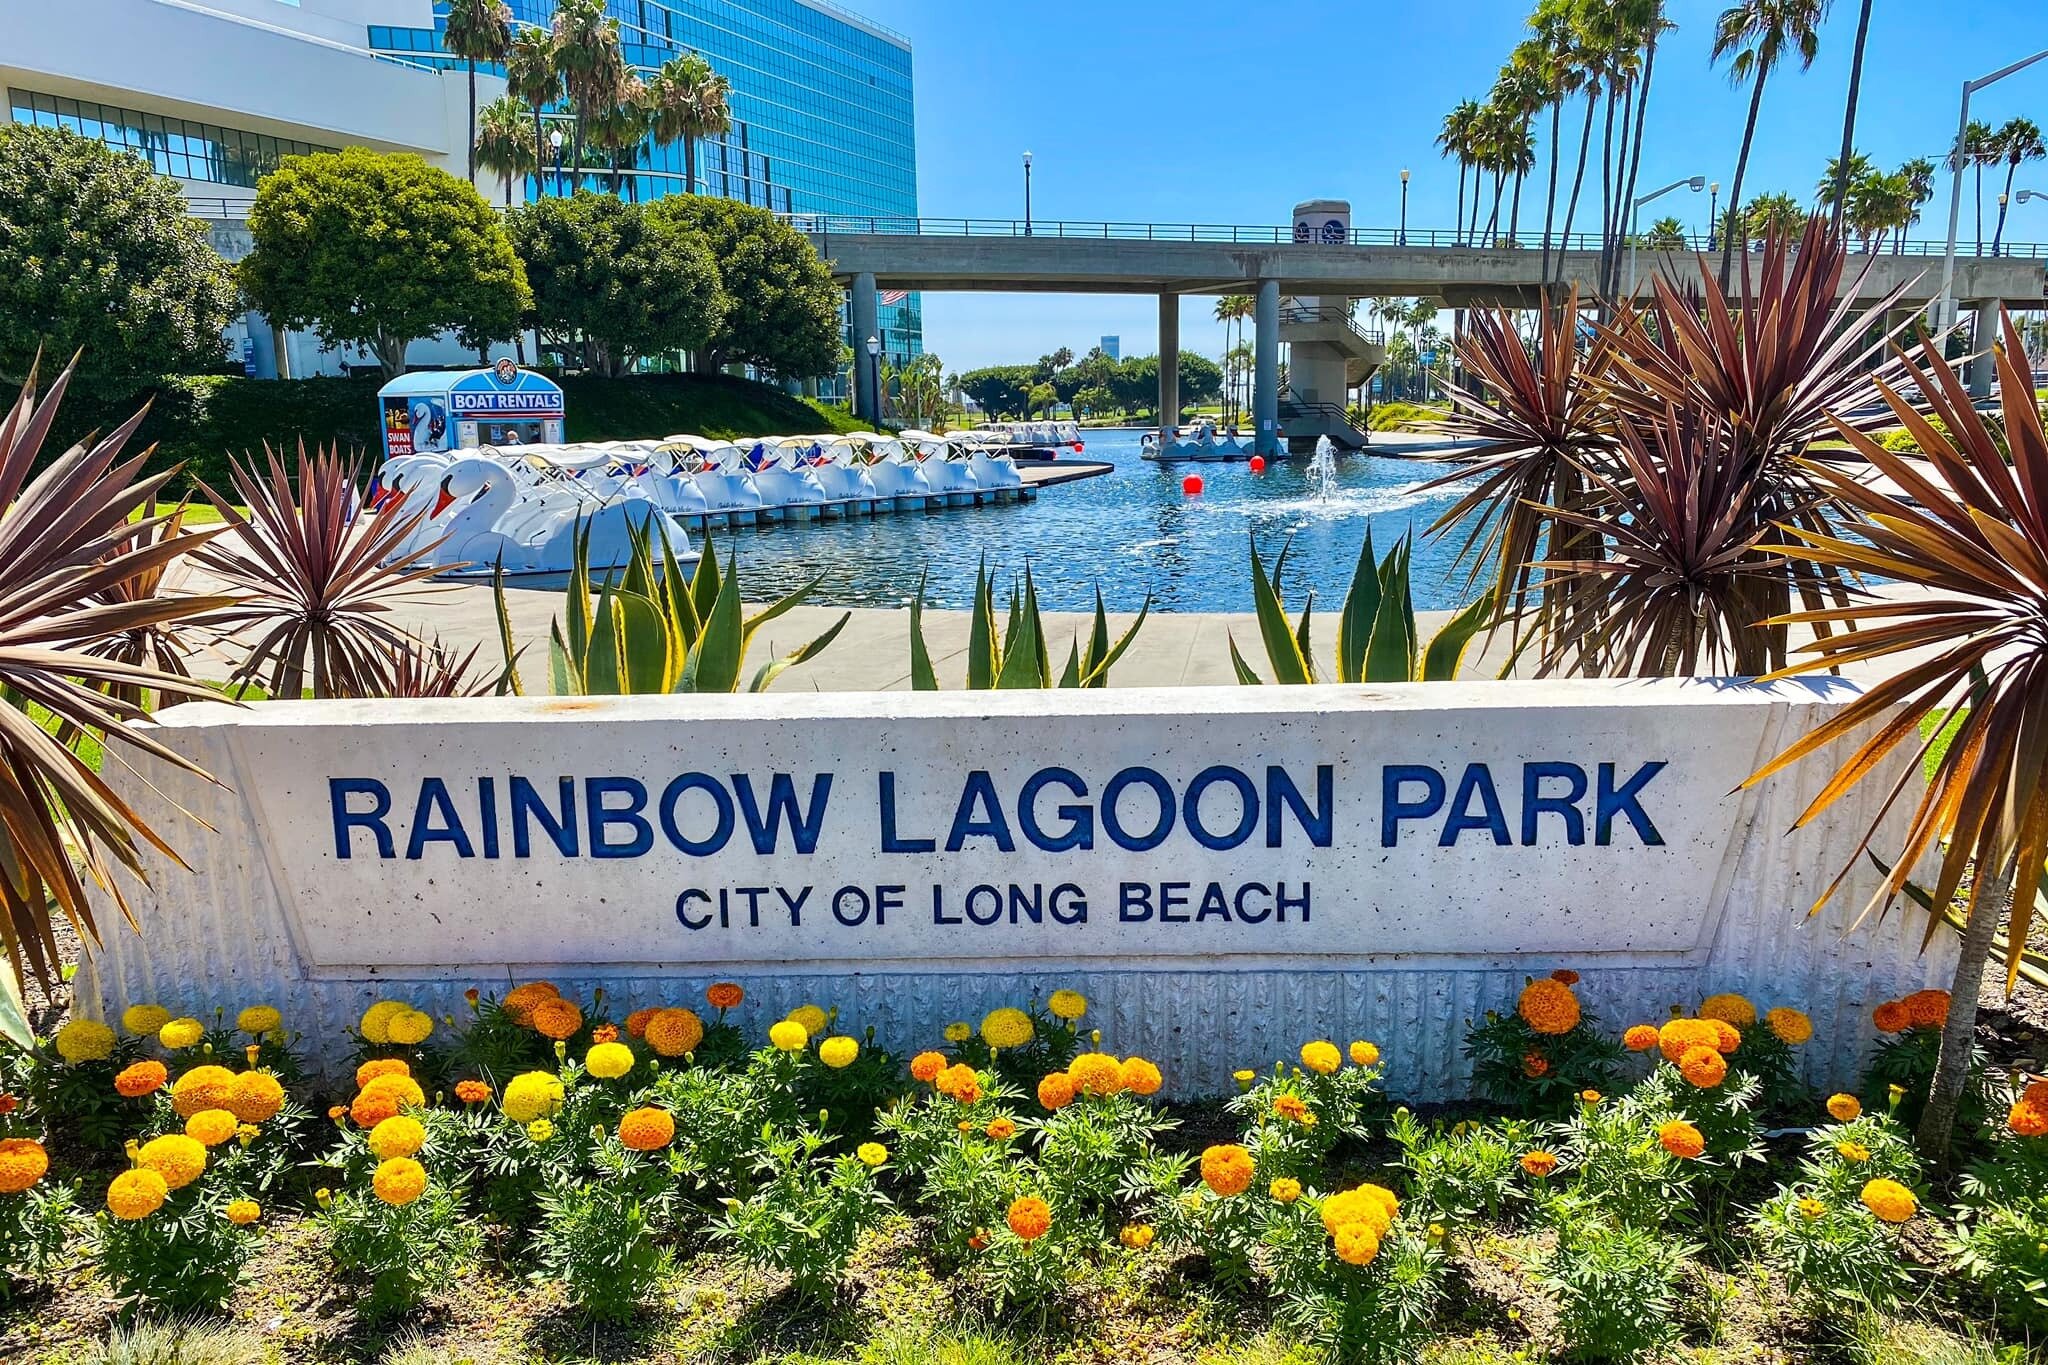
(891, 297)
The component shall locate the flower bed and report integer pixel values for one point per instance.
(595, 1153)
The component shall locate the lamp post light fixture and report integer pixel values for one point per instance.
(1695, 184)
(1943, 313)
(555, 146)
(1713, 214)
(1027, 194)
(1402, 238)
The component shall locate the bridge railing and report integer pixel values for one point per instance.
(1440, 239)
(1307, 313)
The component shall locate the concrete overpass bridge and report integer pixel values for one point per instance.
(1319, 279)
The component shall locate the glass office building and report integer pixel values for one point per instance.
(822, 117)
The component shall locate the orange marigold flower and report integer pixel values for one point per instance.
(1535, 1065)
(724, 995)
(1030, 1218)
(385, 1096)
(926, 1066)
(1926, 1009)
(472, 1092)
(143, 1078)
(636, 1022)
(675, 1031)
(647, 1130)
(1640, 1038)
(1227, 1169)
(1290, 1107)
(519, 1002)
(557, 1018)
(380, 1066)
(1539, 1163)
(1141, 1077)
(1056, 1091)
(1891, 1017)
(22, 1163)
(1001, 1129)
(176, 1157)
(1096, 1073)
(1565, 976)
(1889, 1200)
(1679, 1036)
(1727, 1037)
(2036, 1094)
(2027, 1120)
(1356, 1244)
(1549, 1006)
(1374, 1206)
(605, 1033)
(959, 1082)
(1844, 1108)
(1703, 1067)
(1681, 1139)
(399, 1181)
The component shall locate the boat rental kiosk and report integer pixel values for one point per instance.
(436, 410)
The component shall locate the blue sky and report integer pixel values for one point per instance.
(1220, 112)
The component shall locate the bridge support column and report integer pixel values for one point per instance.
(866, 317)
(1983, 368)
(1266, 369)
(1169, 364)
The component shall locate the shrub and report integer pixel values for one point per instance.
(401, 1252)
(808, 1212)
(1541, 1058)
(186, 1254)
(36, 1225)
(1616, 1287)
(1833, 1255)
(1296, 1116)
(599, 1228)
(1462, 1174)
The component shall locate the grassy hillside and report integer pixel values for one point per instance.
(196, 420)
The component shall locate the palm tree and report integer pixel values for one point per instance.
(502, 146)
(1857, 168)
(1456, 138)
(1919, 173)
(1876, 203)
(478, 31)
(1979, 149)
(593, 66)
(1591, 70)
(532, 78)
(1773, 214)
(1555, 50)
(2019, 140)
(1841, 186)
(1644, 19)
(1666, 234)
(1522, 89)
(1236, 308)
(1753, 35)
(691, 101)
(620, 131)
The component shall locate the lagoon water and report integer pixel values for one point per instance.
(1131, 531)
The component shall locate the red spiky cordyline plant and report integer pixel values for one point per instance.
(1972, 534)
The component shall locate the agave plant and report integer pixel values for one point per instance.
(1019, 657)
(1376, 636)
(656, 629)
(1974, 537)
(317, 583)
(66, 544)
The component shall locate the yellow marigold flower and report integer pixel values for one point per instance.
(242, 1212)
(1067, 1005)
(85, 1040)
(959, 1031)
(22, 1163)
(788, 1035)
(1729, 1008)
(1539, 1163)
(375, 1025)
(1590, 1098)
(472, 1092)
(647, 1129)
(1030, 1218)
(1371, 1206)
(1640, 1038)
(1096, 1073)
(608, 1061)
(256, 1097)
(141, 1078)
(1549, 1006)
(838, 1051)
(1365, 1054)
(724, 995)
(175, 1157)
(519, 1002)
(1007, 1027)
(136, 1194)
(380, 1066)
(1141, 1077)
(1321, 1056)
(540, 1130)
(675, 1032)
(1136, 1236)
(1855, 1153)
(1244, 1078)
(1056, 1091)
(1889, 1200)
(813, 1017)
(203, 1087)
(1285, 1190)
(1811, 1209)
(144, 1020)
(558, 1019)
(247, 1133)
(211, 1127)
(1001, 1129)
(1845, 1108)
(531, 1095)
(926, 1066)
(871, 1153)
(1704, 1067)
(1227, 1169)
(1682, 1140)
(1356, 1244)
(1791, 1026)
(399, 1181)
(410, 1028)
(260, 1019)
(399, 1135)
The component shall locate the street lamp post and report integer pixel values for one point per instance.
(874, 378)
(1695, 184)
(555, 146)
(1713, 214)
(1027, 194)
(1402, 239)
(1944, 312)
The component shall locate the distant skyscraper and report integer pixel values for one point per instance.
(1113, 347)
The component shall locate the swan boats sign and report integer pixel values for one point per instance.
(1268, 835)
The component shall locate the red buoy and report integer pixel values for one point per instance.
(1258, 464)
(1192, 485)
(1078, 447)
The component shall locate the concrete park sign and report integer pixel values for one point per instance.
(1409, 853)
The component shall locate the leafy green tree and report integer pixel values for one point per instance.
(1201, 379)
(783, 313)
(1040, 400)
(1094, 400)
(97, 253)
(379, 249)
(1000, 389)
(626, 282)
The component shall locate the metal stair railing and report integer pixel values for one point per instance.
(1293, 406)
(1303, 314)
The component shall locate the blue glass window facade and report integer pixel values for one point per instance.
(822, 113)
(175, 146)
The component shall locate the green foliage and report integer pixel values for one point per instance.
(404, 1252)
(1541, 1074)
(617, 280)
(599, 1227)
(78, 1099)
(1296, 1118)
(1372, 1314)
(807, 1212)
(783, 308)
(1462, 1174)
(1835, 1256)
(185, 1256)
(1616, 1287)
(1021, 657)
(379, 249)
(97, 253)
(36, 1225)
(159, 1341)
(1906, 1061)
(1376, 636)
(2003, 1246)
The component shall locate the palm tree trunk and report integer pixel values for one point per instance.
(1959, 1031)
(1550, 194)
(1493, 219)
(1756, 99)
(1578, 179)
(1635, 160)
(1606, 190)
(2004, 203)
(1515, 210)
(1472, 237)
(1841, 191)
(472, 120)
(689, 164)
(540, 156)
(1458, 236)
